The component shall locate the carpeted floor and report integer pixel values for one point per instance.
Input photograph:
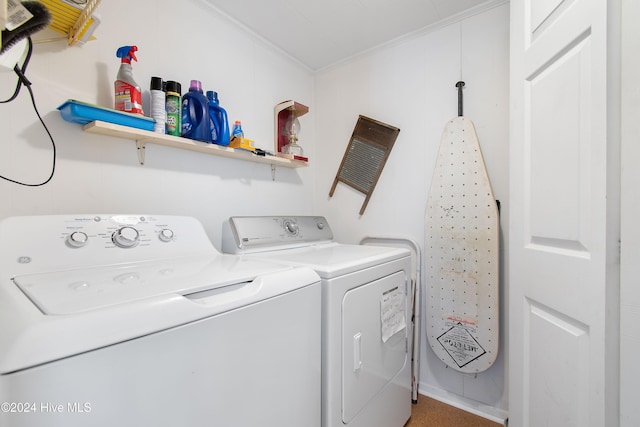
(433, 413)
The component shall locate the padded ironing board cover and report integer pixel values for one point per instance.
(461, 254)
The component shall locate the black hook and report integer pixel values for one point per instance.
(459, 85)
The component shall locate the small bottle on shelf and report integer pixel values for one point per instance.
(237, 130)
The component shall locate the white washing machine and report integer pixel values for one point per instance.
(366, 366)
(137, 320)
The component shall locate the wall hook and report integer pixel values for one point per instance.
(460, 85)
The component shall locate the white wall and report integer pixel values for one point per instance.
(630, 209)
(411, 85)
(101, 174)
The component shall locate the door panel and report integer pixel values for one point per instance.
(556, 400)
(557, 185)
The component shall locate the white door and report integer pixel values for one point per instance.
(564, 272)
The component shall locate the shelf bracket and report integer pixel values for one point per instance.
(273, 172)
(140, 144)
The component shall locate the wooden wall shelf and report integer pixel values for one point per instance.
(143, 137)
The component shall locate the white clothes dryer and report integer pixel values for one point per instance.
(137, 320)
(366, 368)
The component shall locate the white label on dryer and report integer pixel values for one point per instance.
(392, 313)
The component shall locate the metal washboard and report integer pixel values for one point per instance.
(365, 156)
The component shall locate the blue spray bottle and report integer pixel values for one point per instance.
(219, 124)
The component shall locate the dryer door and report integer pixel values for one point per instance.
(374, 341)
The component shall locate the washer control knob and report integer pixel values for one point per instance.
(166, 235)
(291, 227)
(126, 237)
(77, 239)
(320, 225)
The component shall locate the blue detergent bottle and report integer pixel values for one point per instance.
(219, 124)
(195, 114)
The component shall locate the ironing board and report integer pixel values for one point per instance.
(462, 252)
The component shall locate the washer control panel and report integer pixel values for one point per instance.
(78, 241)
(119, 231)
(256, 233)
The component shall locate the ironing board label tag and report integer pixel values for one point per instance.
(392, 313)
(461, 345)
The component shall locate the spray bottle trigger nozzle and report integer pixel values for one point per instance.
(127, 52)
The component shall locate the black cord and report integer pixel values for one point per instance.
(22, 70)
(23, 80)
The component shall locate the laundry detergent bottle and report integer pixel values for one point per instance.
(127, 92)
(195, 114)
(219, 123)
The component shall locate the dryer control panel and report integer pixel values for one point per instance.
(244, 234)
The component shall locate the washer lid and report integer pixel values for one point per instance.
(75, 291)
